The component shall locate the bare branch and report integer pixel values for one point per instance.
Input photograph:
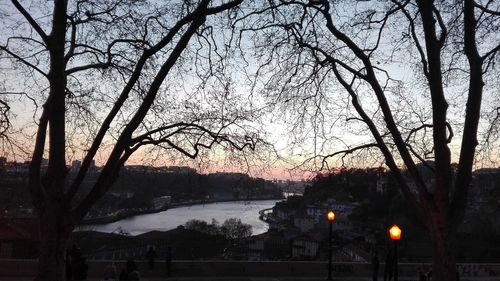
(346, 152)
(30, 20)
(103, 65)
(124, 95)
(486, 10)
(23, 61)
(415, 130)
(418, 45)
(111, 168)
(389, 159)
(492, 53)
(4, 118)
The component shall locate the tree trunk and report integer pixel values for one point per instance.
(54, 229)
(443, 260)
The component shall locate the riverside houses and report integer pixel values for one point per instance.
(18, 239)
(161, 202)
(342, 209)
(304, 223)
(307, 245)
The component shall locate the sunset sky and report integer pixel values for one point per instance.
(295, 131)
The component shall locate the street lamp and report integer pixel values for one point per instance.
(395, 234)
(331, 217)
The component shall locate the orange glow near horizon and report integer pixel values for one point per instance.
(205, 167)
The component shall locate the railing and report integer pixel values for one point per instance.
(10, 267)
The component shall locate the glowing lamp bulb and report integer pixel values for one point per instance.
(331, 216)
(395, 232)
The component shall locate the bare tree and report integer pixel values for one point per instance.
(115, 76)
(8, 145)
(4, 118)
(410, 74)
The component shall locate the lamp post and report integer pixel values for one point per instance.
(395, 234)
(331, 217)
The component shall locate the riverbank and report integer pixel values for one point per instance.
(129, 213)
(266, 216)
(246, 211)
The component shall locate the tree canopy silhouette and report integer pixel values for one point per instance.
(113, 77)
(404, 79)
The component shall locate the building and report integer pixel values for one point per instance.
(161, 202)
(383, 185)
(317, 212)
(341, 209)
(122, 195)
(306, 246)
(284, 213)
(18, 239)
(223, 196)
(256, 247)
(304, 223)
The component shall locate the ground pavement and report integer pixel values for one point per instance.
(2, 278)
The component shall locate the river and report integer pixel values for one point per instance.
(247, 211)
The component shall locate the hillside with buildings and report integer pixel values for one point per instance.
(139, 189)
(366, 202)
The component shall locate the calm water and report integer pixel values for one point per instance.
(247, 211)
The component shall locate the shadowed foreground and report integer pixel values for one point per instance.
(262, 279)
(21, 270)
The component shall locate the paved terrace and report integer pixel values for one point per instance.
(23, 270)
(238, 278)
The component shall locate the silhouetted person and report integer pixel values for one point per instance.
(429, 275)
(77, 263)
(168, 261)
(375, 266)
(132, 272)
(75, 252)
(151, 256)
(110, 272)
(72, 257)
(80, 269)
(421, 275)
(67, 265)
(123, 275)
(389, 266)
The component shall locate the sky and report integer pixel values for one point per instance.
(293, 136)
